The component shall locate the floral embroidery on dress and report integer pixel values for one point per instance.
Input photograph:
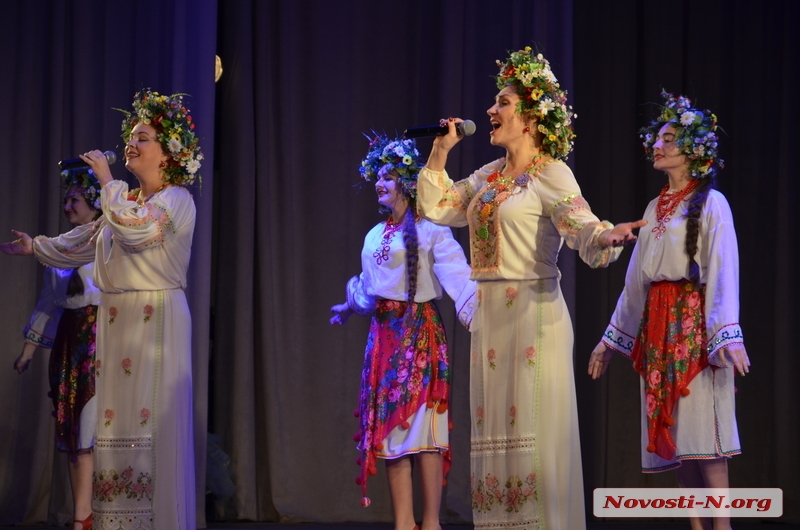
(148, 312)
(126, 365)
(112, 311)
(108, 484)
(97, 364)
(484, 212)
(479, 414)
(511, 294)
(109, 415)
(513, 413)
(530, 355)
(491, 356)
(510, 498)
(145, 415)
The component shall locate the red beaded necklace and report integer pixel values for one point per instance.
(668, 203)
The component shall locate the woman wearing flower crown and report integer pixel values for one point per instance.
(64, 322)
(526, 465)
(144, 453)
(678, 315)
(405, 386)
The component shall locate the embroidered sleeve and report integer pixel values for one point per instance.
(721, 262)
(69, 250)
(445, 202)
(41, 329)
(621, 331)
(136, 227)
(580, 229)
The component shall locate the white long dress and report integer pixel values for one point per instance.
(525, 457)
(705, 420)
(144, 455)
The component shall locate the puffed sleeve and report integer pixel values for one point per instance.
(452, 270)
(69, 250)
(722, 276)
(621, 331)
(570, 214)
(41, 329)
(358, 299)
(444, 202)
(138, 227)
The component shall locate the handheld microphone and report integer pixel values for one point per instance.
(465, 128)
(74, 163)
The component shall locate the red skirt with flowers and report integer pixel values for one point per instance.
(668, 353)
(71, 374)
(406, 367)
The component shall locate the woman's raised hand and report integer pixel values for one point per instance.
(442, 144)
(22, 246)
(99, 163)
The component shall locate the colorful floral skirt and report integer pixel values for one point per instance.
(406, 371)
(72, 382)
(668, 353)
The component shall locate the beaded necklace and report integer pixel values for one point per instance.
(667, 204)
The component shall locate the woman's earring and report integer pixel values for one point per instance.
(162, 165)
(527, 129)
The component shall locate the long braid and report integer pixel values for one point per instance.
(411, 242)
(696, 204)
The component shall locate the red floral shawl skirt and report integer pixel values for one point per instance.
(668, 353)
(406, 367)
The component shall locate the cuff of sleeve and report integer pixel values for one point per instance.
(618, 340)
(352, 298)
(725, 336)
(465, 305)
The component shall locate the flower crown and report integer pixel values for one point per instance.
(84, 178)
(400, 155)
(175, 132)
(695, 135)
(540, 97)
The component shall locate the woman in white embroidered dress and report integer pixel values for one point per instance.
(144, 455)
(678, 315)
(526, 464)
(64, 322)
(405, 385)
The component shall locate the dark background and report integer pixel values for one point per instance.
(280, 223)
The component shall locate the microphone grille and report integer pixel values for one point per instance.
(111, 156)
(467, 128)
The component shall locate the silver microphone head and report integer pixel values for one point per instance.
(111, 156)
(466, 128)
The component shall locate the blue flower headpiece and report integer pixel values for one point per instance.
(399, 155)
(695, 134)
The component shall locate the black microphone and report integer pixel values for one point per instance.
(465, 128)
(74, 163)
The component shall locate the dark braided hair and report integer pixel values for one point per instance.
(696, 203)
(411, 241)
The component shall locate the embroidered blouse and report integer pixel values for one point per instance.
(442, 266)
(519, 239)
(662, 259)
(119, 238)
